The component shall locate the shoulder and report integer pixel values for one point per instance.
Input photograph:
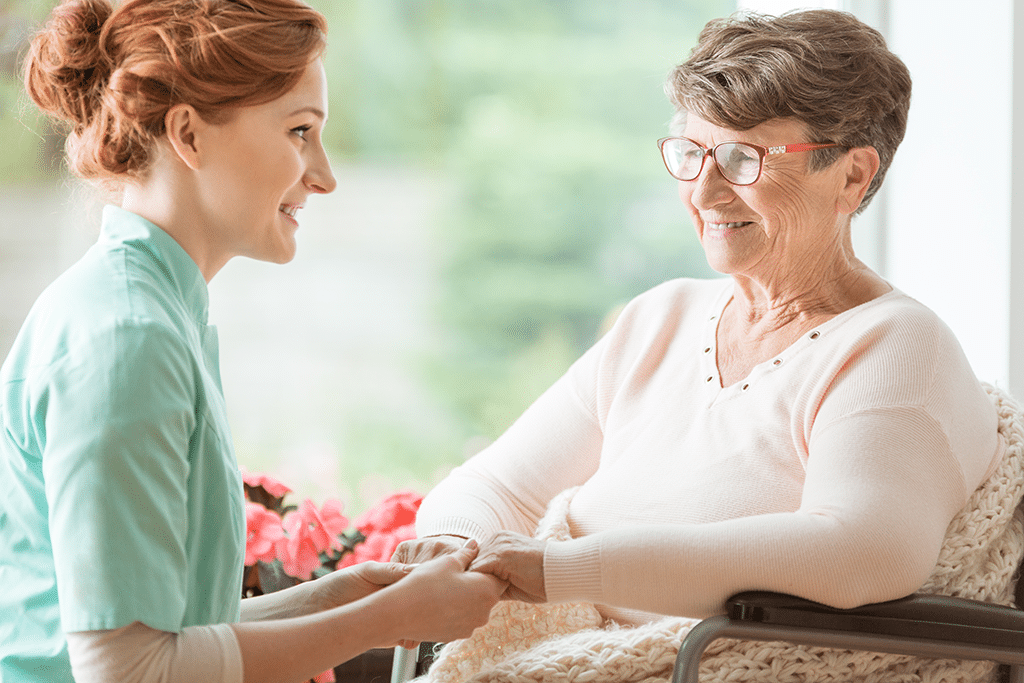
(685, 290)
(901, 332)
(674, 302)
(895, 351)
(100, 314)
(898, 356)
(673, 313)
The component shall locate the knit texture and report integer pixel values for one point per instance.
(566, 642)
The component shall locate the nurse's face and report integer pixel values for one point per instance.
(260, 168)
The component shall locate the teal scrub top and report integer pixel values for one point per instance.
(120, 496)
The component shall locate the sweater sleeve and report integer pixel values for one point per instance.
(554, 445)
(880, 491)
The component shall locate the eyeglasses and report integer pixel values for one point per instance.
(740, 163)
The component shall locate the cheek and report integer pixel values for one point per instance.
(685, 191)
(783, 198)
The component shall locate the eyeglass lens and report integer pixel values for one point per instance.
(738, 163)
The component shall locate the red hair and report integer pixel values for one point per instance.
(112, 74)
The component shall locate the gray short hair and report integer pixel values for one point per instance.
(824, 68)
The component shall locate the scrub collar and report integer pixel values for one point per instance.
(182, 273)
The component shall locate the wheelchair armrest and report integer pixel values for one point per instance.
(918, 615)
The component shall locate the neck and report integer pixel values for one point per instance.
(168, 203)
(821, 285)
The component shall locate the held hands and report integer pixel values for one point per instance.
(424, 549)
(516, 559)
(442, 601)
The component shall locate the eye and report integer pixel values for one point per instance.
(301, 131)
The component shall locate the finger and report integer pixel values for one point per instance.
(387, 573)
(401, 553)
(467, 553)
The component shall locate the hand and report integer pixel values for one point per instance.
(518, 560)
(356, 582)
(420, 550)
(441, 601)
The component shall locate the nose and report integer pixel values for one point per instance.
(319, 178)
(709, 188)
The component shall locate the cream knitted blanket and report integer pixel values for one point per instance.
(571, 643)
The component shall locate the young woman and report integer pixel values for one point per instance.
(121, 516)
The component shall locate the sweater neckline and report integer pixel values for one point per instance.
(709, 345)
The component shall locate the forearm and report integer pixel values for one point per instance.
(807, 555)
(293, 649)
(296, 601)
(299, 648)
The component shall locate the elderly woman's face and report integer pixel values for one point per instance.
(775, 228)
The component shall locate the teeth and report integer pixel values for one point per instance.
(290, 210)
(724, 226)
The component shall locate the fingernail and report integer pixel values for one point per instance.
(470, 543)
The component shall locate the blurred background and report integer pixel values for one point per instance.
(500, 195)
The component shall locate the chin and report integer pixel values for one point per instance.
(280, 253)
(283, 256)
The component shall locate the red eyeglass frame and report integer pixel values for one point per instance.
(762, 152)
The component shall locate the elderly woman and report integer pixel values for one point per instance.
(800, 425)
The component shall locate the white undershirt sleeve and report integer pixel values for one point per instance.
(139, 654)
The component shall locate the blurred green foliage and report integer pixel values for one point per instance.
(543, 115)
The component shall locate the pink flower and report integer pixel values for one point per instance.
(306, 538)
(262, 531)
(298, 554)
(334, 523)
(269, 484)
(309, 533)
(395, 511)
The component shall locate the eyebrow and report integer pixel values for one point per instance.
(313, 110)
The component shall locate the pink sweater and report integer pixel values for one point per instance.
(830, 472)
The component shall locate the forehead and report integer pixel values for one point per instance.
(310, 91)
(768, 133)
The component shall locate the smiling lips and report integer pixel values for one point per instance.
(289, 209)
(722, 227)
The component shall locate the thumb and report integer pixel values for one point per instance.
(466, 554)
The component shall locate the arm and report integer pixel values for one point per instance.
(554, 445)
(437, 601)
(869, 529)
(332, 590)
(872, 521)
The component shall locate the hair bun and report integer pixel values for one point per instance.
(66, 68)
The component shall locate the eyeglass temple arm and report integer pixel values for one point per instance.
(800, 147)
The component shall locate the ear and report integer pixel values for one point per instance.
(184, 127)
(861, 166)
